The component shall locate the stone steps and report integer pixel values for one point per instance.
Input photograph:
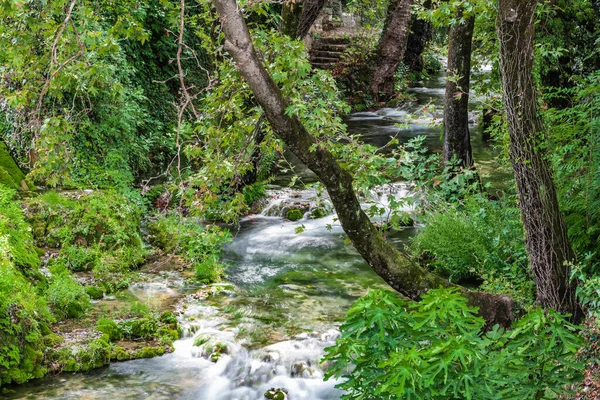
(327, 51)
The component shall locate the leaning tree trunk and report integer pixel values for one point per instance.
(457, 141)
(391, 48)
(310, 13)
(398, 271)
(298, 16)
(546, 240)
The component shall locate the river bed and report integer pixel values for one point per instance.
(282, 305)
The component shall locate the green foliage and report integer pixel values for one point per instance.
(253, 193)
(200, 245)
(67, 297)
(24, 319)
(15, 233)
(94, 354)
(96, 98)
(97, 232)
(94, 292)
(436, 349)
(575, 155)
(294, 214)
(477, 237)
(588, 288)
(109, 328)
(24, 314)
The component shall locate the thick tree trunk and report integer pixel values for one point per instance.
(457, 141)
(310, 13)
(546, 241)
(398, 271)
(290, 17)
(391, 48)
(421, 32)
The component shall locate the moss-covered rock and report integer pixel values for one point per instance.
(10, 174)
(318, 212)
(294, 214)
(276, 394)
(109, 328)
(120, 354)
(24, 319)
(24, 314)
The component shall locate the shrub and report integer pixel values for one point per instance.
(67, 296)
(199, 245)
(435, 349)
(479, 238)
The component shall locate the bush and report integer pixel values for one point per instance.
(67, 297)
(479, 238)
(436, 349)
(199, 245)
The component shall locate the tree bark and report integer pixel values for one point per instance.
(297, 17)
(457, 141)
(290, 17)
(310, 13)
(395, 268)
(421, 32)
(546, 237)
(391, 48)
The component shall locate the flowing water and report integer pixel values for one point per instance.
(287, 296)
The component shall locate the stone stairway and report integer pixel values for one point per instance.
(326, 51)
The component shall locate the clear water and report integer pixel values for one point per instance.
(292, 290)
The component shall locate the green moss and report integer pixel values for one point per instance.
(119, 354)
(97, 232)
(109, 328)
(318, 212)
(276, 394)
(52, 340)
(168, 317)
(10, 173)
(294, 214)
(94, 292)
(17, 234)
(93, 354)
(7, 180)
(200, 340)
(24, 318)
(146, 352)
(24, 314)
(166, 335)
